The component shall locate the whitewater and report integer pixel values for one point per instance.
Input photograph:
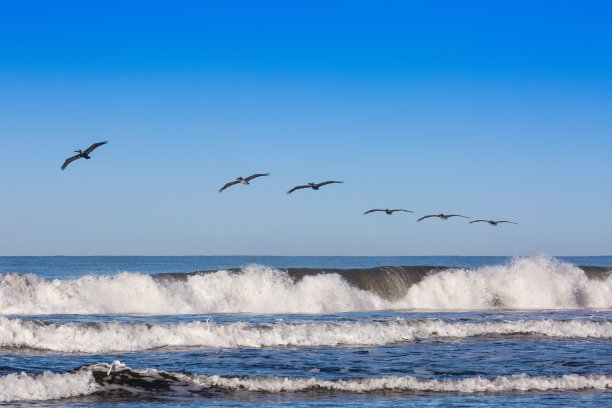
(114, 336)
(299, 331)
(538, 282)
(112, 378)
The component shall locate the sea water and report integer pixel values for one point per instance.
(304, 331)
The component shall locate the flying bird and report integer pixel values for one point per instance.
(493, 223)
(243, 180)
(313, 186)
(83, 154)
(442, 216)
(387, 211)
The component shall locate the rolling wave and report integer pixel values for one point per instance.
(103, 379)
(122, 337)
(46, 386)
(536, 282)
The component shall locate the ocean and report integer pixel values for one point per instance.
(306, 331)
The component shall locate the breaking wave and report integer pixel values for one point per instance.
(117, 379)
(122, 337)
(46, 386)
(536, 282)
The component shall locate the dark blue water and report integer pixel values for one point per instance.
(533, 331)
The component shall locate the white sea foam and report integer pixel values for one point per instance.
(118, 377)
(121, 337)
(46, 386)
(256, 289)
(521, 382)
(537, 282)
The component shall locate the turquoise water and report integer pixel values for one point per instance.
(533, 330)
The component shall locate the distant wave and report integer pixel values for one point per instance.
(388, 282)
(536, 282)
(103, 379)
(122, 337)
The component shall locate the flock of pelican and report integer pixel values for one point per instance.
(315, 186)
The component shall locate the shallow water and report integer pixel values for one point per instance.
(99, 330)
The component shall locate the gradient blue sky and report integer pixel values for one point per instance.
(492, 109)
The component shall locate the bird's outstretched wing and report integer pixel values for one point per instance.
(256, 175)
(231, 183)
(471, 222)
(70, 160)
(93, 146)
(509, 222)
(427, 216)
(327, 182)
(369, 211)
(401, 209)
(297, 188)
(456, 215)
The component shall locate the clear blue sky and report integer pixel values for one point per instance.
(492, 109)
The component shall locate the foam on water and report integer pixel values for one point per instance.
(46, 386)
(537, 282)
(256, 289)
(520, 382)
(116, 377)
(120, 337)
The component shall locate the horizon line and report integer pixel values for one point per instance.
(304, 256)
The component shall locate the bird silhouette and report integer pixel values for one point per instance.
(313, 186)
(442, 216)
(493, 223)
(83, 154)
(386, 211)
(243, 180)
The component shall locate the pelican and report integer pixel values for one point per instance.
(243, 180)
(313, 186)
(83, 154)
(493, 223)
(442, 216)
(387, 211)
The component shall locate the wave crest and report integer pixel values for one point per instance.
(46, 386)
(537, 282)
(116, 378)
(121, 337)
